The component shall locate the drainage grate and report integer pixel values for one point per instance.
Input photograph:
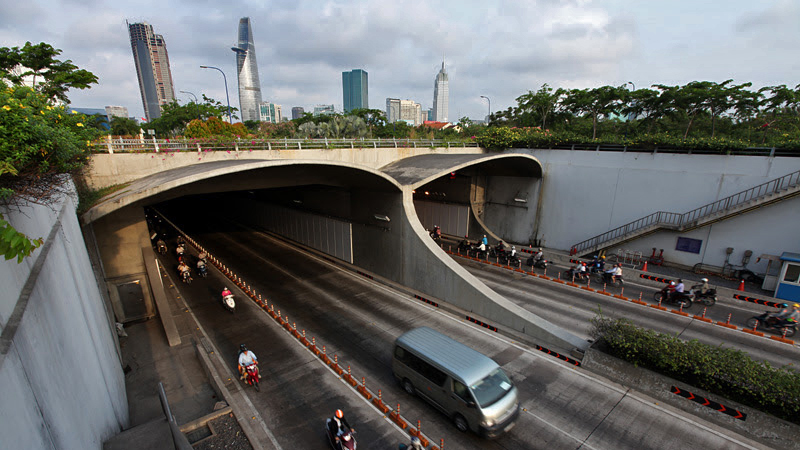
(199, 434)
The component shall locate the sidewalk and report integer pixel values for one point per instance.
(147, 360)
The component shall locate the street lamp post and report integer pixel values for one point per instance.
(187, 92)
(490, 109)
(628, 119)
(230, 118)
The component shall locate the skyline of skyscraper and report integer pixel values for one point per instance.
(297, 112)
(247, 72)
(152, 68)
(441, 96)
(355, 90)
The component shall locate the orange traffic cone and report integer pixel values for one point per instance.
(644, 267)
(741, 286)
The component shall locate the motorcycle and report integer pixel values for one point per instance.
(708, 299)
(202, 271)
(571, 274)
(540, 263)
(229, 303)
(161, 246)
(347, 440)
(609, 280)
(179, 251)
(665, 296)
(767, 321)
(251, 376)
(186, 277)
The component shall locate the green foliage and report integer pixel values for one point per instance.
(723, 371)
(39, 142)
(352, 127)
(277, 130)
(88, 197)
(175, 117)
(124, 126)
(51, 77)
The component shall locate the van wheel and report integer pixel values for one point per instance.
(408, 387)
(461, 423)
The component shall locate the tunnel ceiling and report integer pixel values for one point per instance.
(228, 176)
(419, 170)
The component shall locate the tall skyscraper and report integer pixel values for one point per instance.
(355, 90)
(247, 70)
(441, 96)
(152, 68)
(297, 112)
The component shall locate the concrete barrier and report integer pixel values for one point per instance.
(762, 427)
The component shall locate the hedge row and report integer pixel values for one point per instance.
(727, 372)
(500, 138)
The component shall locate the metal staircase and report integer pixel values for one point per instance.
(773, 191)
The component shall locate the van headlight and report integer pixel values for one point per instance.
(487, 423)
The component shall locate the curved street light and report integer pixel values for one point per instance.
(488, 116)
(187, 92)
(230, 118)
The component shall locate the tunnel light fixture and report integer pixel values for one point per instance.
(520, 200)
(382, 217)
(297, 201)
(427, 193)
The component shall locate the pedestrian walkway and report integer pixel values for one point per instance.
(148, 359)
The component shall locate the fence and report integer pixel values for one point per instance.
(144, 145)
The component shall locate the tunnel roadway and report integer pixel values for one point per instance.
(358, 320)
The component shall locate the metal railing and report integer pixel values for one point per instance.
(665, 219)
(144, 145)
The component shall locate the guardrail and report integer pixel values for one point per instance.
(676, 220)
(182, 145)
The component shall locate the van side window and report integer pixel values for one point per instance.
(461, 391)
(411, 360)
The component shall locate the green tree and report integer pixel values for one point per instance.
(175, 117)
(596, 103)
(372, 117)
(124, 126)
(51, 77)
(540, 105)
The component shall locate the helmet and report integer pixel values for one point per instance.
(672, 283)
(603, 257)
(513, 246)
(784, 305)
(583, 263)
(680, 281)
(540, 248)
(704, 280)
(243, 348)
(796, 305)
(415, 442)
(339, 413)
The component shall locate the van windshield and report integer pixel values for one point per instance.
(492, 388)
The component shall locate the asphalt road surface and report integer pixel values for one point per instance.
(358, 320)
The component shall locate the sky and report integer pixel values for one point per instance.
(500, 49)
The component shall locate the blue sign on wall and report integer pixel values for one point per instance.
(689, 245)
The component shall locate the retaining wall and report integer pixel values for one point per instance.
(60, 374)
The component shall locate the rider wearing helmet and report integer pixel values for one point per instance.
(246, 358)
(416, 444)
(338, 425)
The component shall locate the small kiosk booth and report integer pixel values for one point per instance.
(789, 279)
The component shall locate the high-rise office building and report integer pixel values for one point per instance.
(324, 110)
(406, 111)
(355, 90)
(270, 112)
(152, 68)
(441, 96)
(116, 111)
(297, 112)
(247, 71)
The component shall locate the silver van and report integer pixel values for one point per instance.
(469, 387)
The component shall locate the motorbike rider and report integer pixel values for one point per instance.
(579, 270)
(538, 255)
(786, 316)
(610, 274)
(226, 292)
(415, 444)
(161, 245)
(201, 266)
(485, 241)
(183, 269)
(464, 244)
(338, 425)
(598, 264)
(436, 234)
(500, 248)
(246, 359)
(513, 251)
(677, 292)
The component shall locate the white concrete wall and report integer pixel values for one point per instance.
(60, 376)
(587, 193)
(118, 168)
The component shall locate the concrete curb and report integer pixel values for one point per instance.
(759, 426)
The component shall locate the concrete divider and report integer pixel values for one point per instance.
(762, 427)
